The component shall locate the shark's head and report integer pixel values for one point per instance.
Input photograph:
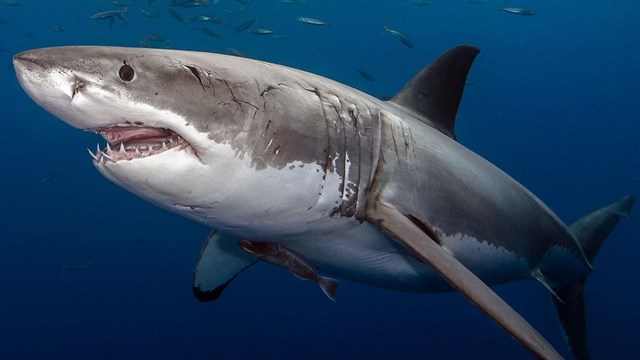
(199, 134)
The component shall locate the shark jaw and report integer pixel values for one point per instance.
(126, 143)
(148, 148)
(133, 130)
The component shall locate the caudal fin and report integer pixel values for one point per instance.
(591, 231)
(329, 286)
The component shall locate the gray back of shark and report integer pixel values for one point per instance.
(373, 191)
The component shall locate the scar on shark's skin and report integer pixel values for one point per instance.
(308, 174)
(195, 73)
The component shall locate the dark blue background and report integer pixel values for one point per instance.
(552, 100)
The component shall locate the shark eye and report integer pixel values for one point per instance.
(126, 72)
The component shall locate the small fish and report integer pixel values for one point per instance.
(122, 3)
(111, 15)
(404, 39)
(518, 11)
(14, 3)
(48, 178)
(262, 31)
(177, 16)
(366, 75)
(311, 21)
(59, 29)
(420, 2)
(154, 38)
(151, 15)
(245, 25)
(235, 52)
(279, 255)
(206, 18)
(77, 265)
(210, 33)
(189, 3)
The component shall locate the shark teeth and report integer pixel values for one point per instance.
(95, 158)
(137, 148)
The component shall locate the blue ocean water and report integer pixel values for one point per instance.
(552, 100)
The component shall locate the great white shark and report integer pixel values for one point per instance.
(378, 192)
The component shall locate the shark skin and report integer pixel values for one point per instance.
(378, 192)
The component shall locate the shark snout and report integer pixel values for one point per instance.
(33, 71)
(27, 58)
(50, 82)
(24, 63)
(32, 64)
(44, 67)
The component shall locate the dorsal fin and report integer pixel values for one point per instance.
(434, 94)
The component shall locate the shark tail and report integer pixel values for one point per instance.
(329, 286)
(591, 231)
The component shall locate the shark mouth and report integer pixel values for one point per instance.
(136, 142)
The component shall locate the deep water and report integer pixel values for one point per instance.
(552, 99)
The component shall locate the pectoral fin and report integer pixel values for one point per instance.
(408, 234)
(220, 261)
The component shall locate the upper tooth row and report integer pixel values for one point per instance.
(136, 148)
(123, 150)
